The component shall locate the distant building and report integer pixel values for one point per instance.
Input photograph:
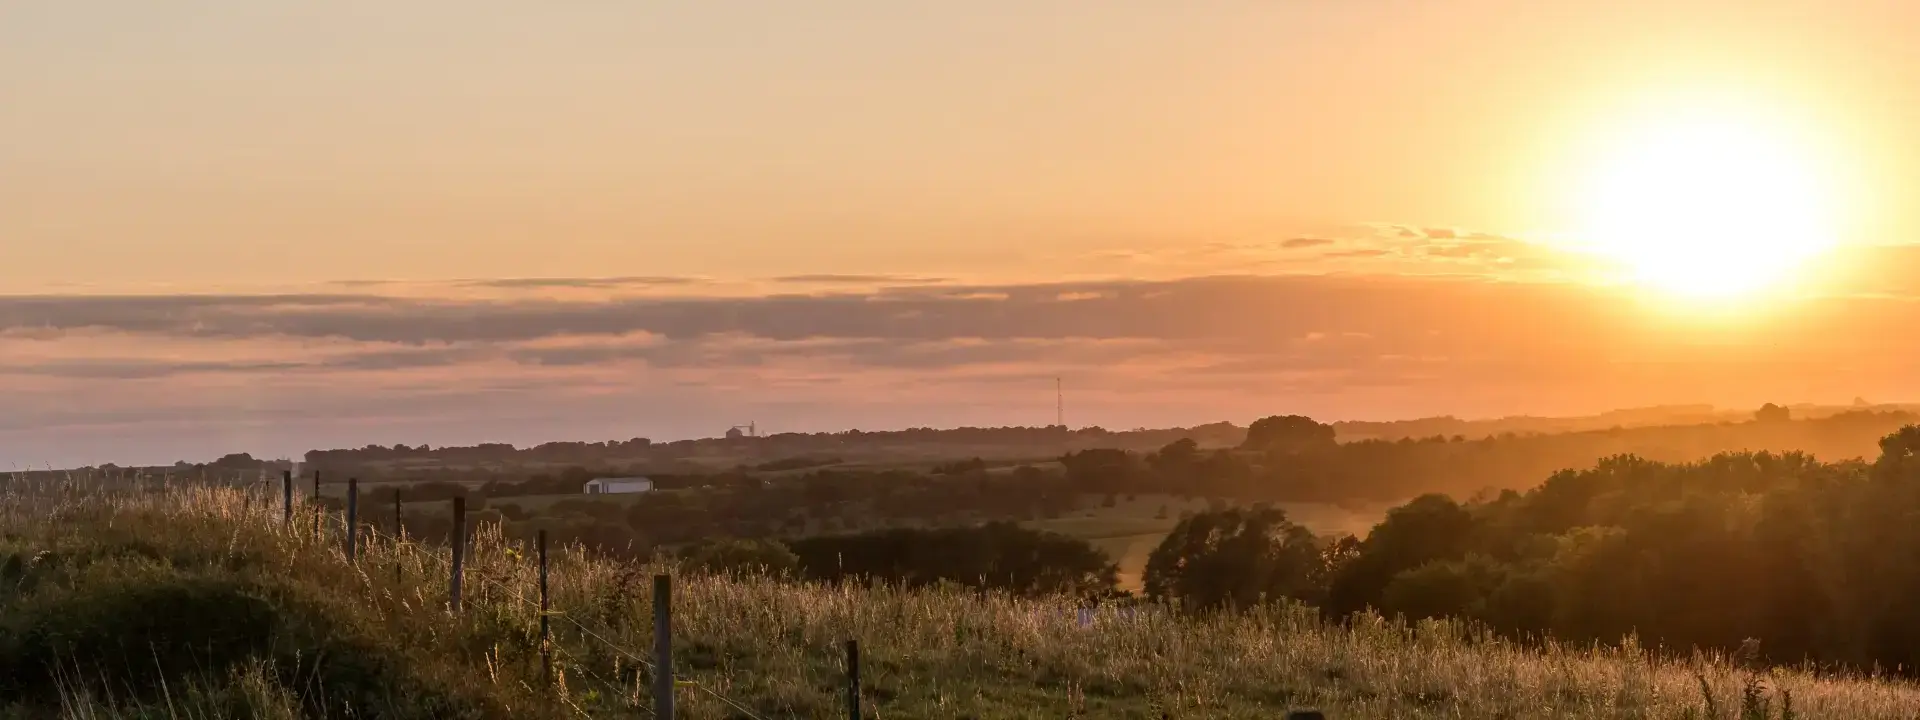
(607, 486)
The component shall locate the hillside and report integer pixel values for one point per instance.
(153, 601)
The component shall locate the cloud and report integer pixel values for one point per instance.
(859, 280)
(140, 369)
(1266, 308)
(1383, 248)
(295, 371)
(1077, 296)
(363, 283)
(1358, 253)
(579, 283)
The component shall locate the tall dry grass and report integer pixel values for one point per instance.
(776, 647)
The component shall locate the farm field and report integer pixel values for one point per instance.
(1126, 532)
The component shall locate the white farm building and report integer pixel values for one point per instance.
(606, 486)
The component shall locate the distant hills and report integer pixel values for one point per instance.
(925, 445)
(1654, 416)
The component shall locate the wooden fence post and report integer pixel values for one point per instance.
(459, 548)
(353, 516)
(399, 537)
(318, 512)
(853, 680)
(286, 496)
(546, 641)
(663, 647)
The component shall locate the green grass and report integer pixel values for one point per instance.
(197, 603)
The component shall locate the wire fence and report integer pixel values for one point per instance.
(352, 531)
(599, 636)
(456, 576)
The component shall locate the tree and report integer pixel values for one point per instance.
(1771, 413)
(1430, 528)
(1235, 558)
(1180, 453)
(1439, 589)
(1899, 454)
(1102, 470)
(1288, 434)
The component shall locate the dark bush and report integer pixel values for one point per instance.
(132, 628)
(731, 556)
(1000, 556)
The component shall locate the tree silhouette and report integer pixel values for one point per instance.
(1235, 558)
(1771, 413)
(1288, 434)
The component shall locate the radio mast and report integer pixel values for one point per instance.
(1059, 404)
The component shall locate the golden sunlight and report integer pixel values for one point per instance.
(1707, 205)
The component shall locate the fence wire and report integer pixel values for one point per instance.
(584, 630)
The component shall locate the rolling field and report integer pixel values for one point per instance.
(1127, 532)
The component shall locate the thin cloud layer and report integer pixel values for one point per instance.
(830, 279)
(579, 283)
(90, 378)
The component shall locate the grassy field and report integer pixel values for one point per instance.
(198, 603)
(1127, 532)
(1130, 530)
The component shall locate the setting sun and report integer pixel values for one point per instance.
(1707, 205)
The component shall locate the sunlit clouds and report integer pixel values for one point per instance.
(92, 378)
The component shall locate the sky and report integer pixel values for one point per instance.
(270, 227)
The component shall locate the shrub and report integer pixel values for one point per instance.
(734, 557)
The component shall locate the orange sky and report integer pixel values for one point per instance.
(219, 141)
(720, 156)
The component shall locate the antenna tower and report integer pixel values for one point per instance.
(1059, 404)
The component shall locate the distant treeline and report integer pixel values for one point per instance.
(1528, 424)
(1042, 440)
(1352, 430)
(1294, 459)
(1151, 460)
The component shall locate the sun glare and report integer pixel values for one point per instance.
(1706, 206)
